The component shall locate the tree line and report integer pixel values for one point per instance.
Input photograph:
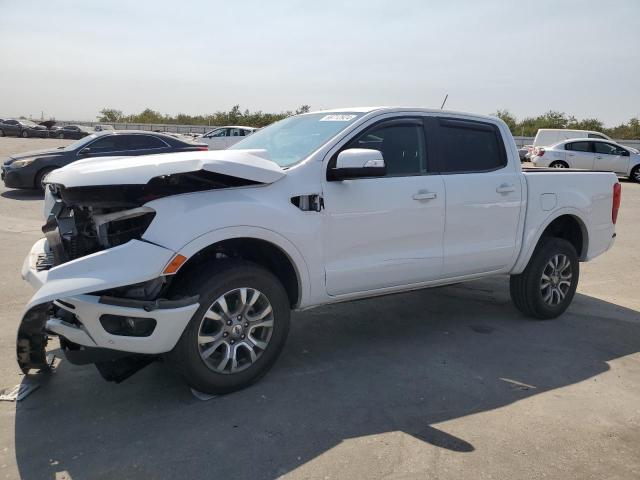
(234, 116)
(526, 127)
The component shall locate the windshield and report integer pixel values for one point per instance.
(80, 143)
(291, 140)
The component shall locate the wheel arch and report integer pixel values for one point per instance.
(261, 246)
(567, 224)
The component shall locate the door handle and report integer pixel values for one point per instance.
(505, 188)
(599, 158)
(425, 196)
(571, 154)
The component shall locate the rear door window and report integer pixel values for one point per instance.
(110, 143)
(469, 146)
(145, 142)
(579, 146)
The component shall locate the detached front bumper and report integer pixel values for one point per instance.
(65, 302)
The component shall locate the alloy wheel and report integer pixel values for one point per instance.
(235, 330)
(556, 280)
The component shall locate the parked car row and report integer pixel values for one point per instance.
(27, 128)
(22, 128)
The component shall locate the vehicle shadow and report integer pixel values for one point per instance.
(400, 363)
(22, 194)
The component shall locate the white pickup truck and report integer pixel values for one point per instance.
(199, 257)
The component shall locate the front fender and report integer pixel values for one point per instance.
(241, 231)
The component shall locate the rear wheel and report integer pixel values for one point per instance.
(635, 174)
(61, 135)
(236, 335)
(546, 287)
(559, 165)
(25, 134)
(1, 133)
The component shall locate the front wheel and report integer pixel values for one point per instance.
(40, 178)
(547, 285)
(25, 134)
(635, 174)
(238, 332)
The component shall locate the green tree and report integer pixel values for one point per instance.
(110, 115)
(508, 118)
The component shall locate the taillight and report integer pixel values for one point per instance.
(617, 194)
(204, 149)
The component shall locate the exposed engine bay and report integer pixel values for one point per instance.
(84, 220)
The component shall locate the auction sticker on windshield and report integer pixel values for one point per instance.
(337, 118)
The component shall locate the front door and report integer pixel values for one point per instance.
(386, 231)
(610, 157)
(484, 198)
(217, 140)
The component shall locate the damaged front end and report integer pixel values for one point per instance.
(100, 287)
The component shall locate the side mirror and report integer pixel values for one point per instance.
(625, 153)
(358, 163)
(84, 152)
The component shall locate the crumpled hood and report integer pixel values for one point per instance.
(251, 165)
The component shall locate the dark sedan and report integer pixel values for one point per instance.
(74, 132)
(22, 128)
(27, 170)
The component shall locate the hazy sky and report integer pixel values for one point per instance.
(70, 59)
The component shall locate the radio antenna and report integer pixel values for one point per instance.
(444, 101)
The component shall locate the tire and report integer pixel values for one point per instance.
(527, 289)
(558, 165)
(635, 174)
(61, 135)
(40, 177)
(24, 134)
(199, 360)
(1, 133)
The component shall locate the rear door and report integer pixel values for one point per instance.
(580, 155)
(611, 157)
(484, 197)
(11, 127)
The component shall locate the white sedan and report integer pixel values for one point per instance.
(591, 154)
(223, 137)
